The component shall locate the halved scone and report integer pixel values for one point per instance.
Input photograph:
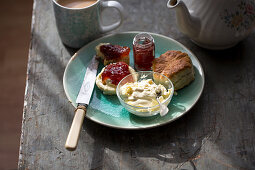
(177, 66)
(109, 53)
(108, 79)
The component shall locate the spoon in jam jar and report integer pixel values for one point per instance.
(163, 108)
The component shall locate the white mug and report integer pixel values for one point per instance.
(78, 26)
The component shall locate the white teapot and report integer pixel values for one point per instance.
(215, 24)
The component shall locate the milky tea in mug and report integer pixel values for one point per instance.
(79, 21)
(76, 3)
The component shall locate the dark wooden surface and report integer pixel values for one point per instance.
(218, 133)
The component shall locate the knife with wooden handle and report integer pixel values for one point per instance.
(83, 99)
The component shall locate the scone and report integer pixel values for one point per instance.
(177, 66)
(108, 79)
(112, 53)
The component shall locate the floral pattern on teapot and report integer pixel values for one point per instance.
(215, 24)
(240, 19)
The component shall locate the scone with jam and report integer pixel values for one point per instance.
(108, 79)
(109, 53)
(177, 66)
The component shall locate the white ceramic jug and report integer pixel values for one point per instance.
(215, 24)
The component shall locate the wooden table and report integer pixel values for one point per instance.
(218, 133)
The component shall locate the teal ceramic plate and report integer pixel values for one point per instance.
(107, 110)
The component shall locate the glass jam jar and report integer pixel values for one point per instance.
(144, 51)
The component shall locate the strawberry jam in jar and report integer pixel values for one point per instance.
(144, 51)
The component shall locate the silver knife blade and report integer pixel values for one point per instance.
(88, 82)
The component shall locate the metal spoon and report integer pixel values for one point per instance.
(163, 108)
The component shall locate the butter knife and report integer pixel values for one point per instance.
(82, 100)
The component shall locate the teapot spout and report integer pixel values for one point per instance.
(187, 23)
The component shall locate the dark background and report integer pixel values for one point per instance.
(15, 22)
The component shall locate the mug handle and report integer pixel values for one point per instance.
(119, 7)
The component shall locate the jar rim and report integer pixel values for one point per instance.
(143, 36)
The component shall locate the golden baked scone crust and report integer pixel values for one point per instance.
(177, 66)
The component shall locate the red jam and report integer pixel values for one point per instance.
(115, 72)
(144, 51)
(114, 51)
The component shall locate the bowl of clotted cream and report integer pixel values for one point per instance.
(138, 92)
